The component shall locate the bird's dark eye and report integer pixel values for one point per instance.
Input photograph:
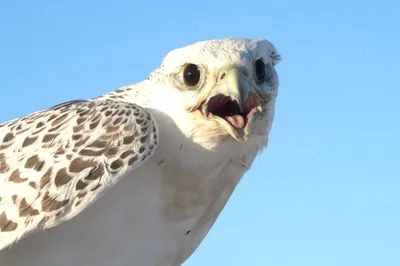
(260, 70)
(191, 74)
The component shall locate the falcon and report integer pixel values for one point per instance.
(137, 176)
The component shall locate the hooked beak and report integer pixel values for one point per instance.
(234, 103)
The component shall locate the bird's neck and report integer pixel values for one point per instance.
(179, 131)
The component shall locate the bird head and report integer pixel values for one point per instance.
(227, 87)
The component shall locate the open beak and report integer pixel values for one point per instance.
(234, 103)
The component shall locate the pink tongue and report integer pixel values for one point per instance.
(235, 120)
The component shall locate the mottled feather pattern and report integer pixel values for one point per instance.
(56, 162)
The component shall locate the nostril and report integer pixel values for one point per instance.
(245, 72)
(222, 76)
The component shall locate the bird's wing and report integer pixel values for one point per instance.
(55, 163)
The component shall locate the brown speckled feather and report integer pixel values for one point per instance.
(55, 163)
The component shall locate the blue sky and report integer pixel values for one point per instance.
(326, 191)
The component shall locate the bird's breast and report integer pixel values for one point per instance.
(189, 199)
(156, 215)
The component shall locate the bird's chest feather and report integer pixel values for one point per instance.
(166, 207)
(156, 215)
(190, 187)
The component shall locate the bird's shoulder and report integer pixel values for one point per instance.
(56, 162)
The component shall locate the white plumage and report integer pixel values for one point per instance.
(137, 176)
